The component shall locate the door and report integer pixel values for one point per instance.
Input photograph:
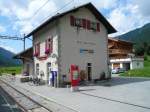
(116, 65)
(89, 71)
(48, 70)
(37, 69)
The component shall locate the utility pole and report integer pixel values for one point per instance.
(24, 42)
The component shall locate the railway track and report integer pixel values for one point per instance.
(23, 101)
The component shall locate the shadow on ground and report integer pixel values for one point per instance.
(115, 81)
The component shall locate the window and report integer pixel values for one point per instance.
(84, 23)
(36, 49)
(78, 22)
(37, 69)
(49, 46)
(93, 26)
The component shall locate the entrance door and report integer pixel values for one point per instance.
(89, 71)
(127, 66)
(48, 70)
(37, 69)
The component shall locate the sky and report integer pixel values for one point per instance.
(18, 17)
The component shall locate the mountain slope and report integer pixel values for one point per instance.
(6, 58)
(138, 36)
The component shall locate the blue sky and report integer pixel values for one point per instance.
(17, 17)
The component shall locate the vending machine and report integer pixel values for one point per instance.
(74, 72)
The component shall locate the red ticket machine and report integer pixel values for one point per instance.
(74, 72)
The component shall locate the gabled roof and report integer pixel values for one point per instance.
(89, 6)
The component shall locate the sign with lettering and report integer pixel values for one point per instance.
(86, 51)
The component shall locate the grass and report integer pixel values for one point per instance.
(143, 72)
(147, 63)
(10, 70)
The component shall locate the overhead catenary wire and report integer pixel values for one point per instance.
(36, 12)
(10, 37)
(57, 11)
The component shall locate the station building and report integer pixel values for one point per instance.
(78, 36)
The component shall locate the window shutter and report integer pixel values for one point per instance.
(98, 27)
(88, 24)
(72, 20)
(34, 50)
(38, 47)
(45, 45)
(51, 46)
(84, 23)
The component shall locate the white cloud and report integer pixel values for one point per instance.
(24, 10)
(28, 20)
(23, 13)
(143, 6)
(2, 29)
(106, 4)
(124, 16)
(129, 16)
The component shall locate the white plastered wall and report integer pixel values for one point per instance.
(135, 64)
(70, 48)
(46, 32)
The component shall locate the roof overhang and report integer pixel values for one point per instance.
(27, 54)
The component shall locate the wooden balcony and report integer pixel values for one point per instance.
(119, 51)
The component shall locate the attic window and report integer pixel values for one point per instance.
(78, 22)
(93, 26)
(84, 23)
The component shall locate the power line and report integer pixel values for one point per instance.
(12, 37)
(19, 38)
(35, 13)
(58, 10)
(15, 38)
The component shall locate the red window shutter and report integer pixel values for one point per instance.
(72, 20)
(88, 24)
(84, 23)
(36, 48)
(51, 46)
(98, 27)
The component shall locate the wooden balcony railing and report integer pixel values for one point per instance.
(119, 51)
